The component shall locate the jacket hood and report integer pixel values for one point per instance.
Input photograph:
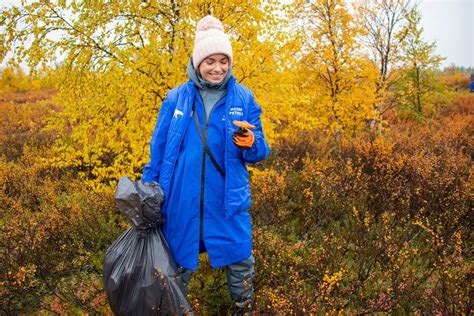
(202, 84)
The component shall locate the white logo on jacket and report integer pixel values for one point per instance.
(236, 110)
(177, 113)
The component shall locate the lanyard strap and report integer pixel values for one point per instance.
(206, 147)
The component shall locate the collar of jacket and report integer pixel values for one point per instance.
(192, 90)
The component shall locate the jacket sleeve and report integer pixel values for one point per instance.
(157, 144)
(260, 149)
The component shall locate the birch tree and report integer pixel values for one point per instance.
(118, 61)
(419, 91)
(340, 79)
(384, 22)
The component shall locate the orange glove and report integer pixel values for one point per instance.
(243, 137)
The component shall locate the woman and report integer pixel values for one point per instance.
(207, 131)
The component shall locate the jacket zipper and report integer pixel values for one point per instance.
(203, 172)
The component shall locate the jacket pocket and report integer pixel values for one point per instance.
(239, 200)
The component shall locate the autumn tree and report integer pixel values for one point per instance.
(119, 59)
(419, 89)
(339, 79)
(13, 79)
(384, 22)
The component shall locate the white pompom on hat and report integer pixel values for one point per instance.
(210, 39)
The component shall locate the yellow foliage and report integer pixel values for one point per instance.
(336, 78)
(120, 61)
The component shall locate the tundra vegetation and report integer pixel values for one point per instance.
(364, 206)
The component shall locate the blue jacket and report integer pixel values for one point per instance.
(193, 187)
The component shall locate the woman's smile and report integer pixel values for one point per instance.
(217, 76)
(214, 68)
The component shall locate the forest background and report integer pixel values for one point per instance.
(363, 206)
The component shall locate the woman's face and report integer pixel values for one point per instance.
(214, 68)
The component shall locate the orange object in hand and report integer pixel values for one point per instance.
(243, 136)
(243, 124)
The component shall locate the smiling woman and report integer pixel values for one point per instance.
(207, 131)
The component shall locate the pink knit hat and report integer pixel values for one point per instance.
(210, 39)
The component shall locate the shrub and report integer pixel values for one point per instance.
(377, 224)
(53, 237)
(54, 230)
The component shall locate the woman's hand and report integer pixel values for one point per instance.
(243, 137)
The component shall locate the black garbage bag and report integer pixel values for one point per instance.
(139, 270)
